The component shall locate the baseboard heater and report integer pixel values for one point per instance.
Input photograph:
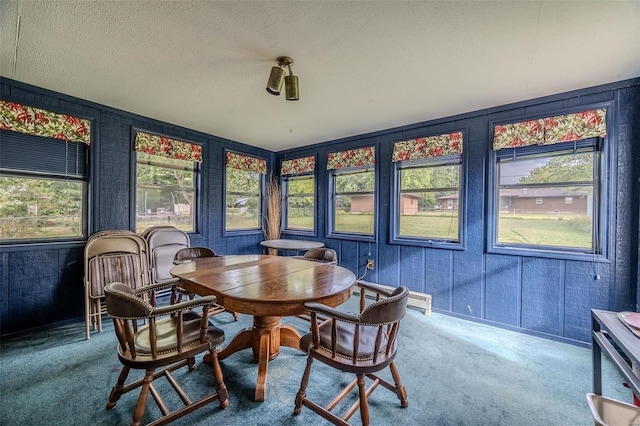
(416, 299)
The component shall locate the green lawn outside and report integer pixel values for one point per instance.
(535, 229)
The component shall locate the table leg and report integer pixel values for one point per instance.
(263, 364)
(289, 337)
(264, 338)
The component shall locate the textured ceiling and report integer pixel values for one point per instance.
(363, 66)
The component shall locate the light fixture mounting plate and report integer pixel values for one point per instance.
(284, 61)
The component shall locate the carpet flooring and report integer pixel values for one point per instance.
(456, 372)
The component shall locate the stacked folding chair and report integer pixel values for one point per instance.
(111, 256)
(164, 242)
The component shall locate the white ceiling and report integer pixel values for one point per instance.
(363, 66)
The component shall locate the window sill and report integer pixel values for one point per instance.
(549, 254)
(430, 243)
(301, 232)
(352, 237)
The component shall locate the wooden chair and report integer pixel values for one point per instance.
(189, 254)
(170, 339)
(361, 344)
(324, 255)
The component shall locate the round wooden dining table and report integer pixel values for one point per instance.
(268, 288)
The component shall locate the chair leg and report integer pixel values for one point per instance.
(118, 388)
(364, 402)
(235, 316)
(399, 388)
(191, 363)
(141, 405)
(223, 395)
(302, 393)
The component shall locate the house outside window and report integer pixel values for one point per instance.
(244, 183)
(298, 185)
(167, 173)
(352, 192)
(428, 172)
(548, 180)
(43, 183)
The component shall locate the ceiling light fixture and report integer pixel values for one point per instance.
(277, 77)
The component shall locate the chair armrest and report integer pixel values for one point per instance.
(374, 288)
(331, 312)
(151, 287)
(183, 306)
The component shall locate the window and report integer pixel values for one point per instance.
(167, 172)
(428, 171)
(43, 174)
(298, 183)
(353, 192)
(549, 191)
(244, 180)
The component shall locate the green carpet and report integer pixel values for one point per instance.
(456, 373)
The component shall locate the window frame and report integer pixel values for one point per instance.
(353, 236)
(86, 202)
(261, 199)
(603, 186)
(432, 242)
(284, 185)
(198, 170)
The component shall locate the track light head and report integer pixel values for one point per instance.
(277, 78)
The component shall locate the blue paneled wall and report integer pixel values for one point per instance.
(42, 284)
(540, 295)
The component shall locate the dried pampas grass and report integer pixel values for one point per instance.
(274, 206)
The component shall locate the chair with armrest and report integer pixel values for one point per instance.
(170, 339)
(362, 344)
(323, 254)
(190, 254)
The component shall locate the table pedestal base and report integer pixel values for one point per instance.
(265, 339)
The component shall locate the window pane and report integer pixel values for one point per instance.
(429, 215)
(428, 203)
(566, 167)
(40, 208)
(164, 207)
(243, 199)
(445, 176)
(300, 212)
(301, 186)
(243, 212)
(355, 182)
(165, 193)
(552, 222)
(242, 181)
(300, 203)
(354, 213)
(148, 175)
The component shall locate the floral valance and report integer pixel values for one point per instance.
(40, 122)
(166, 147)
(547, 131)
(428, 147)
(246, 163)
(360, 157)
(297, 166)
